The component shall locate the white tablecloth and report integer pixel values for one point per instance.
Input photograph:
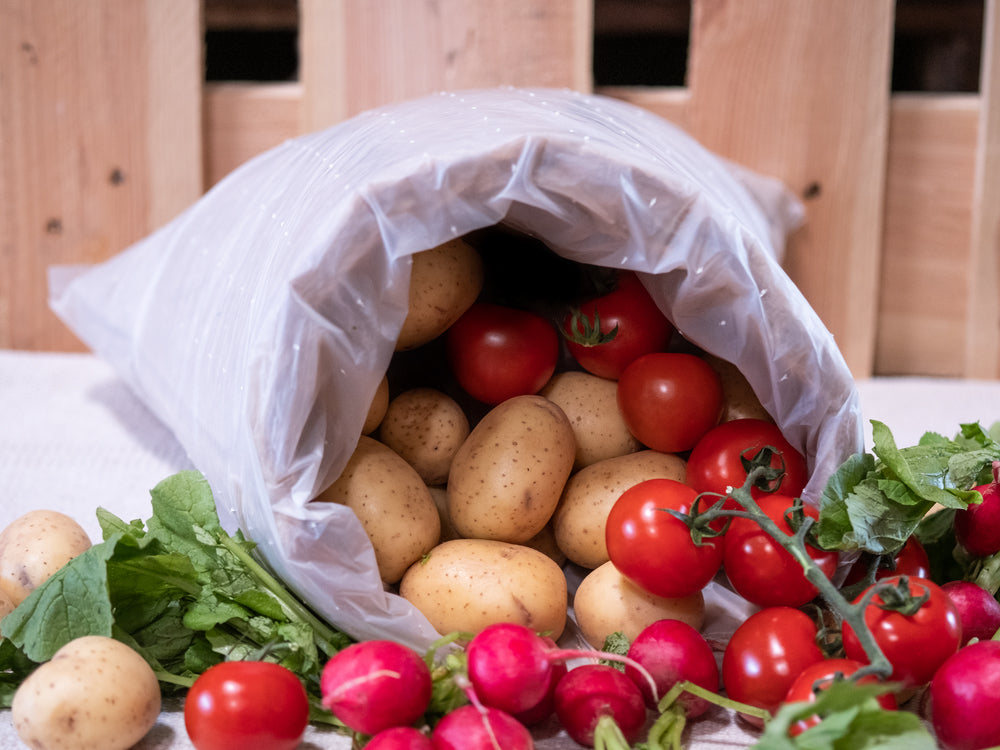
(73, 437)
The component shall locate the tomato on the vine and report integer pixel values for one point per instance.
(820, 675)
(669, 400)
(760, 569)
(766, 653)
(653, 548)
(605, 334)
(911, 560)
(255, 704)
(498, 352)
(915, 643)
(716, 461)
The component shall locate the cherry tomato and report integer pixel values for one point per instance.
(820, 675)
(977, 527)
(499, 352)
(915, 644)
(652, 548)
(669, 400)
(638, 325)
(254, 704)
(715, 463)
(766, 653)
(911, 560)
(760, 569)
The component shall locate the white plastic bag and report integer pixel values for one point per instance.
(258, 323)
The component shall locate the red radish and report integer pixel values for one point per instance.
(545, 708)
(672, 651)
(977, 608)
(374, 685)
(474, 728)
(596, 700)
(977, 527)
(510, 666)
(965, 698)
(400, 738)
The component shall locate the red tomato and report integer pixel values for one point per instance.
(761, 570)
(639, 328)
(915, 645)
(652, 548)
(821, 674)
(246, 704)
(766, 653)
(669, 400)
(715, 463)
(911, 560)
(499, 352)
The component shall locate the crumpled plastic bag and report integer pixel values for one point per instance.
(258, 323)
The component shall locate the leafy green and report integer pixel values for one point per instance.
(875, 502)
(178, 589)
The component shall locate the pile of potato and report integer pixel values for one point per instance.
(477, 514)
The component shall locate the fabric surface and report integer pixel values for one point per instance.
(73, 437)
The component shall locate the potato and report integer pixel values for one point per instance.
(379, 404)
(606, 602)
(591, 404)
(579, 520)
(6, 607)
(95, 693)
(545, 542)
(35, 546)
(440, 497)
(738, 398)
(426, 427)
(393, 504)
(467, 584)
(444, 282)
(507, 477)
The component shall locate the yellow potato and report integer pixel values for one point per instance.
(591, 404)
(606, 602)
(545, 542)
(579, 520)
(444, 282)
(393, 504)
(6, 607)
(35, 546)
(507, 477)
(95, 693)
(376, 411)
(426, 427)
(440, 497)
(467, 584)
(738, 399)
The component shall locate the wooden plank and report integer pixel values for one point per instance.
(667, 102)
(243, 120)
(926, 253)
(982, 352)
(800, 91)
(99, 140)
(356, 54)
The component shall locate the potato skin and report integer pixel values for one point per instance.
(738, 399)
(444, 282)
(393, 504)
(606, 602)
(580, 518)
(35, 546)
(426, 427)
(377, 408)
(6, 607)
(95, 693)
(507, 477)
(467, 584)
(591, 404)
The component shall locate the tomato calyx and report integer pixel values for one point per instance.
(897, 597)
(700, 522)
(586, 331)
(768, 478)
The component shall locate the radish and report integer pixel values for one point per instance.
(544, 708)
(965, 698)
(480, 728)
(977, 527)
(597, 704)
(374, 685)
(672, 651)
(977, 608)
(400, 738)
(510, 666)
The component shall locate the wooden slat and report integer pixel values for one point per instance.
(926, 247)
(243, 120)
(356, 54)
(800, 91)
(99, 140)
(982, 315)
